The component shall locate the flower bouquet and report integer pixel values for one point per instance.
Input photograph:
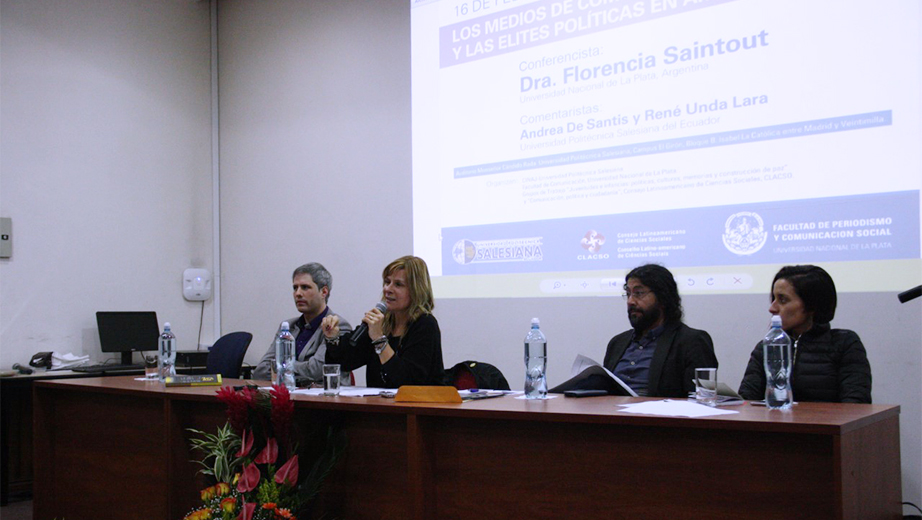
(254, 459)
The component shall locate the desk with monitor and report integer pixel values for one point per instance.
(120, 332)
(494, 458)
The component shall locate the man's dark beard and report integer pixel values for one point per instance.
(645, 320)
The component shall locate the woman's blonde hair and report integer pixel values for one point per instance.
(418, 284)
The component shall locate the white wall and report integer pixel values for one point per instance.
(315, 157)
(315, 166)
(105, 167)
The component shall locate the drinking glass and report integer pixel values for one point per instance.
(706, 386)
(331, 375)
(150, 366)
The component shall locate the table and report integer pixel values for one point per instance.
(16, 431)
(16, 425)
(117, 448)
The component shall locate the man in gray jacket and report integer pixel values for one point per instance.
(311, 284)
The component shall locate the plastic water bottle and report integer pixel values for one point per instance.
(535, 362)
(776, 353)
(166, 361)
(285, 358)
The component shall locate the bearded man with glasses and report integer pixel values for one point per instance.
(659, 356)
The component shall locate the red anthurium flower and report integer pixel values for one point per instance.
(249, 479)
(288, 473)
(246, 512)
(269, 453)
(246, 443)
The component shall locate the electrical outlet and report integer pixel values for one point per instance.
(196, 284)
(6, 237)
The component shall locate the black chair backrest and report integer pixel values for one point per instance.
(225, 357)
(485, 375)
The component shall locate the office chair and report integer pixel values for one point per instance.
(225, 357)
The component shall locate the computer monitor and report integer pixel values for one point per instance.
(127, 332)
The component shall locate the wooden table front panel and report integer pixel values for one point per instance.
(540, 471)
(105, 451)
(100, 454)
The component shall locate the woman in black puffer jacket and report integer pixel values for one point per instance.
(829, 364)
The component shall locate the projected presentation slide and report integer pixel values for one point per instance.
(566, 141)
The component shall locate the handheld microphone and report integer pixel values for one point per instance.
(911, 294)
(363, 327)
(21, 369)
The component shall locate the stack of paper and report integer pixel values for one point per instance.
(672, 408)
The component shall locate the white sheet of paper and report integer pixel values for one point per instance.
(582, 363)
(345, 391)
(309, 391)
(361, 391)
(468, 393)
(671, 408)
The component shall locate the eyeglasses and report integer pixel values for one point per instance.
(638, 294)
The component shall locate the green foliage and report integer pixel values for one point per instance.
(220, 449)
(308, 456)
(267, 492)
